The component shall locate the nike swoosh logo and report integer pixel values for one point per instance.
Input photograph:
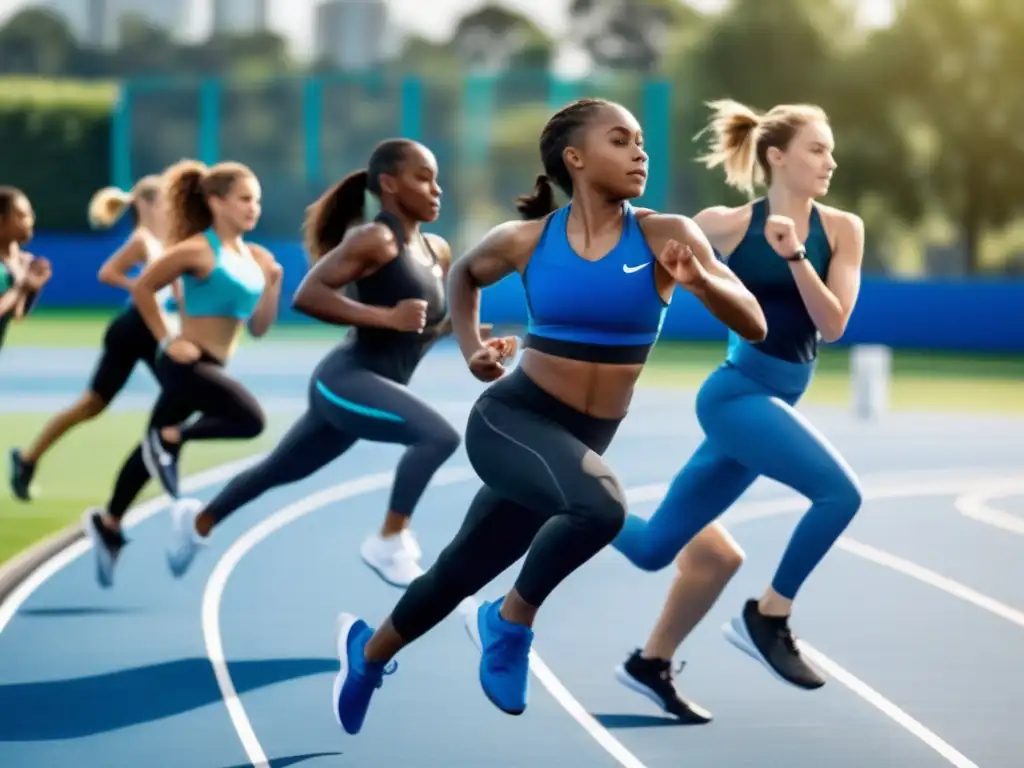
(628, 269)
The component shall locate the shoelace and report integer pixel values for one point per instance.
(668, 674)
(378, 679)
(785, 634)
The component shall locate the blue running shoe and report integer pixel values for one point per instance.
(358, 678)
(505, 659)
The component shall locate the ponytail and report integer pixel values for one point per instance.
(538, 203)
(733, 144)
(187, 210)
(334, 213)
(107, 206)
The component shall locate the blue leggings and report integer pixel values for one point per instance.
(746, 410)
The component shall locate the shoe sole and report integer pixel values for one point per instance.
(179, 571)
(735, 632)
(472, 624)
(345, 623)
(636, 686)
(384, 578)
(12, 470)
(99, 549)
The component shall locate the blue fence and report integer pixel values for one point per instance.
(301, 133)
(982, 315)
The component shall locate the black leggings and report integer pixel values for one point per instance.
(228, 412)
(127, 341)
(548, 495)
(347, 403)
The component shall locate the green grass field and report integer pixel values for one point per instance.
(79, 471)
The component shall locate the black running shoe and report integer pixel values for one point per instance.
(20, 477)
(654, 679)
(769, 639)
(161, 460)
(106, 545)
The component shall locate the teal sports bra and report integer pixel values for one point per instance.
(232, 289)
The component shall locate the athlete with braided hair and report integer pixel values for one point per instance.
(600, 277)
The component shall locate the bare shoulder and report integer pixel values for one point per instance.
(717, 223)
(722, 220)
(195, 248)
(844, 228)
(372, 242)
(515, 241)
(837, 217)
(372, 234)
(670, 224)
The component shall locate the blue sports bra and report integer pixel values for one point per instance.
(604, 311)
(232, 289)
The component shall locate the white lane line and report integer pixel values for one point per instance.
(887, 708)
(214, 591)
(918, 484)
(654, 492)
(932, 579)
(975, 505)
(142, 512)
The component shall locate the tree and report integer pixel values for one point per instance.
(145, 49)
(954, 67)
(37, 41)
(494, 38)
(761, 54)
(629, 34)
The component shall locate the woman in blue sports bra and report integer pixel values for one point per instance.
(802, 261)
(598, 276)
(126, 342)
(226, 284)
(22, 275)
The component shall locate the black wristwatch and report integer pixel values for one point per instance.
(800, 255)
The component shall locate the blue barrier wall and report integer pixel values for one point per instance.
(983, 315)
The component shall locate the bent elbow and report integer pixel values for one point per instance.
(301, 302)
(758, 330)
(106, 276)
(832, 335)
(258, 330)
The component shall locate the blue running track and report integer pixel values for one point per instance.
(918, 617)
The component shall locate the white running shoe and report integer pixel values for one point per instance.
(394, 558)
(185, 542)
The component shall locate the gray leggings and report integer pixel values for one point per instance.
(347, 403)
(548, 495)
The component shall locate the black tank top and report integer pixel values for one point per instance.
(390, 353)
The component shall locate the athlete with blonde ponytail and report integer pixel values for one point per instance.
(802, 261)
(127, 340)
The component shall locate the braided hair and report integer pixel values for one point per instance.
(561, 130)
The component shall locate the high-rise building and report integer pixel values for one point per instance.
(240, 16)
(97, 22)
(352, 34)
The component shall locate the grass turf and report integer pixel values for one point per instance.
(79, 471)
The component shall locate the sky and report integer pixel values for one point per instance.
(433, 18)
